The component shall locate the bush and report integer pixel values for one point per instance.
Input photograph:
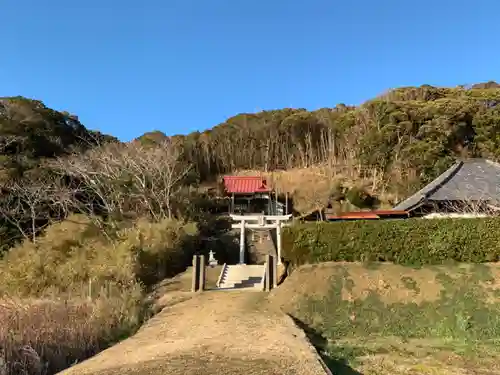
(77, 291)
(74, 253)
(410, 241)
(65, 256)
(361, 198)
(160, 249)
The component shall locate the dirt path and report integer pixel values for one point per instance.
(213, 333)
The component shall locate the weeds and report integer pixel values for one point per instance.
(75, 292)
(44, 336)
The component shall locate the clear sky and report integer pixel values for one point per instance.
(126, 67)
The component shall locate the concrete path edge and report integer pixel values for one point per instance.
(313, 350)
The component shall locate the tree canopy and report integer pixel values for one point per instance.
(415, 131)
(407, 136)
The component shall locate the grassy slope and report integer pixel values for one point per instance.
(380, 319)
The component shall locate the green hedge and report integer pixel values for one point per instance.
(410, 241)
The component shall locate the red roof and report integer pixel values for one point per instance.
(354, 215)
(245, 185)
(376, 214)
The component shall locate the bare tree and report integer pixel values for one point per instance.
(31, 205)
(12, 211)
(313, 199)
(130, 178)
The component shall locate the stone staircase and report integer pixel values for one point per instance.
(259, 243)
(242, 276)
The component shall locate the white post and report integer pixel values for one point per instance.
(242, 242)
(278, 240)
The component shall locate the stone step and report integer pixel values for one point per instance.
(249, 280)
(242, 276)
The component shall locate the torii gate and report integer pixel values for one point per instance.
(260, 222)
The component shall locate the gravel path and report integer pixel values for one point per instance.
(213, 333)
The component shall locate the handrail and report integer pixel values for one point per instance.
(220, 276)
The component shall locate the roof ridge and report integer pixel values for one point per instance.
(430, 188)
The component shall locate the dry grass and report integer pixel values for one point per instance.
(311, 187)
(389, 319)
(75, 252)
(43, 336)
(75, 292)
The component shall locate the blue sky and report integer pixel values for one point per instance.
(127, 67)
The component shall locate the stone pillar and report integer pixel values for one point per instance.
(201, 281)
(195, 277)
(267, 281)
(242, 242)
(274, 270)
(270, 281)
(278, 241)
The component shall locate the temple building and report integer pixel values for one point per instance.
(469, 188)
(252, 195)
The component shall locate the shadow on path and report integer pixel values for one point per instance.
(337, 366)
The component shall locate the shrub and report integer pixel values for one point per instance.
(411, 241)
(77, 290)
(160, 249)
(68, 254)
(360, 198)
(74, 253)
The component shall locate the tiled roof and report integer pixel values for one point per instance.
(467, 180)
(245, 185)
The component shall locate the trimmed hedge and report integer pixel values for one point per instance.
(409, 241)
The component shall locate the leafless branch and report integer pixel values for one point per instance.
(130, 178)
(29, 205)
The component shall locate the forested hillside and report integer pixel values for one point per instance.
(30, 132)
(389, 146)
(406, 132)
(51, 165)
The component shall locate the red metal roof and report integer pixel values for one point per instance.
(245, 185)
(366, 214)
(354, 215)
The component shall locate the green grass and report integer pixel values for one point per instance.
(460, 313)
(462, 320)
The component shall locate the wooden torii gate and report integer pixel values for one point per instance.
(260, 222)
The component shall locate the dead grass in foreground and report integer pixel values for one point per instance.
(79, 291)
(42, 337)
